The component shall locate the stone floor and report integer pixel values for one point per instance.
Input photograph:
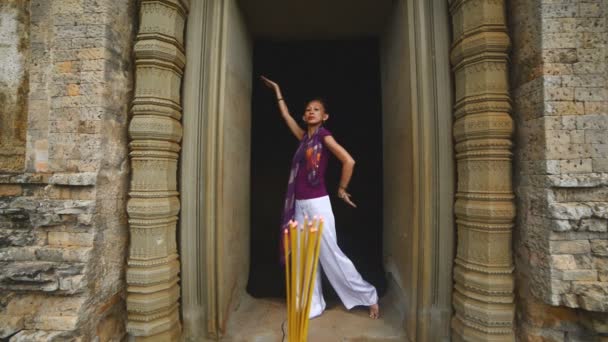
(259, 320)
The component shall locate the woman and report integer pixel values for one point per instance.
(307, 196)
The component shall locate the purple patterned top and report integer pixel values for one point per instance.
(303, 188)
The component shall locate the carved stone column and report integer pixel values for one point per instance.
(484, 208)
(155, 130)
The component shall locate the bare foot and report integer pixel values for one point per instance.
(374, 311)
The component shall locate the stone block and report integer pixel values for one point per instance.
(562, 225)
(583, 261)
(594, 225)
(578, 275)
(593, 56)
(559, 94)
(591, 94)
(74, 179)
(92, 53)
(577, 137)
(592, 295)
(577, 180)
(552, 81)
(569, 211)
(70, 239)
(590, 24)
(70, 31)
(37, 276)
(72, 89)
(593, 121)
(563, 262)
(601, 265)
(600, 209)
(96, 30)
(582, 195)
(67, 114)
(596, 107)
(583, 80)
(552, 167)
(61, 323)
(20, 237)
(599, 150)
(576, 165)
(18, 254)
(569, 151)
(64, 254)
(60, 126)
(87, 43)
(552, 25)
(585, 68)
(596, 136)
(564, 107)
(560, 10)
(558, 69)
(561, 40)
(10, 325)
(93, 65)
(589, 10)
(38, 336)
(560, 55)
(89, 127)
(73, 284)
(569, 247)
(599, 247)
(600, 165)
(10, 190)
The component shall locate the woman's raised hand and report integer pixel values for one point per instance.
(270, 84)
(291, 123)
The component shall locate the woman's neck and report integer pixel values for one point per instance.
(313, 128)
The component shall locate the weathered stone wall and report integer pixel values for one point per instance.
(14, 19)
(63, 225)
(560, 93)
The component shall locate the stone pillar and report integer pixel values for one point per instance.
(484, 207)
(155, 130)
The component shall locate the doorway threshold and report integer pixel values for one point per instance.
(260, 320)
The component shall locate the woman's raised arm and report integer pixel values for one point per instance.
(289, 120)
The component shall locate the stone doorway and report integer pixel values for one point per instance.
(418, 158)
(346, 74)
(225, 165)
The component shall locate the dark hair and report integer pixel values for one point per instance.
(321, 101)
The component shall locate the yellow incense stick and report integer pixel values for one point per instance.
(317, 249)
(306, 271)
(292, 326)
(287, 289)
(301, 259)
(304, 256)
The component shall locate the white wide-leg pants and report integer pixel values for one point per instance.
(342, 274)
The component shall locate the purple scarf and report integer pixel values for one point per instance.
(309, 148)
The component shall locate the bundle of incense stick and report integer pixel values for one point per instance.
(301, 259)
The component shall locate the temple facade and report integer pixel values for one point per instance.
(124, 164)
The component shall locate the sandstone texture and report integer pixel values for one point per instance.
(560, 93)
(65, 85)
(14, 84)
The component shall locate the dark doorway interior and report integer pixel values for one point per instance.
(347, 75)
